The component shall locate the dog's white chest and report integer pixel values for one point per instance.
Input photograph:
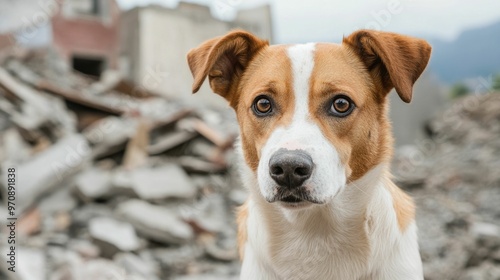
(293, 253)
(319, 258)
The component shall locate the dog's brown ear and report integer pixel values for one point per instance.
(396, 61)
(223, 60)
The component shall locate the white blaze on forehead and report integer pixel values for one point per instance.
(302, 59)
(303, 133)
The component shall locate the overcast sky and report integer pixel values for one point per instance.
(322, 20)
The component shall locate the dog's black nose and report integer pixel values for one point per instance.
(290, 168)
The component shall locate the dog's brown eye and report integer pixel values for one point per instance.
(262, 106)
(341, 106)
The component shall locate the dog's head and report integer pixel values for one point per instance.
(313, 117)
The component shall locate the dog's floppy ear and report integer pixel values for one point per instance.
(393, 60)
(223, 59)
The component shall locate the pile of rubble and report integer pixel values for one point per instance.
(455, 178)
(113, 181)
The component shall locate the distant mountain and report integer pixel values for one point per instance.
(476, 52)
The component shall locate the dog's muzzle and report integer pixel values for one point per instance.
(290, 169)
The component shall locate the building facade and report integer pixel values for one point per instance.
(155, 41)
(86, 33)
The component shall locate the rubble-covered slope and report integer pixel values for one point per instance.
(455, 179)
(113, 181)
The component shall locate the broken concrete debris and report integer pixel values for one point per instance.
(161, 224)
(166, 181)
(137, 267)
(32, 264)
(113, 236)
(455, 180)
(107, 172)
(51, 167)
(93, 183)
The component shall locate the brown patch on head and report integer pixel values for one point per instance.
(241, 221)
(362, 138)
(403, 205)
(364, 68)
(269, 74)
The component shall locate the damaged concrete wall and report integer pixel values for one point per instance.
(157, 40)
(409, 120)
(88, 35)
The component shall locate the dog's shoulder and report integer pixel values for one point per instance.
(241, 220)
(403, 204)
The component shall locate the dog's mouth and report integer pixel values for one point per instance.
(299, 196)
(291, 199)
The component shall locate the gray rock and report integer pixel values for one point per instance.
(85, 248)
(36, 109)
(30, 264)
(113, 236)
(177, 259)
(14, 149)
(238, 196)
(58, 239)
(68, 263)
(223, 254)
(93, 183)
(121, 183)
(485, 271)
(495, 255)
(208, 214)
(162, 182)
(207, 277)
(444, 247)
(102, 269)
(155, 222)
(49, 168)
(485, 230)
(82, 215)
(109, 135)
(60, 200)
(136, 266)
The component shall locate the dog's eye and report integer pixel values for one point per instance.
(341, 106)
(262, 106)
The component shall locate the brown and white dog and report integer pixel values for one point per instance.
(316, 144)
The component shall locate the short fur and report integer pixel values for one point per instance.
(361, 225)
